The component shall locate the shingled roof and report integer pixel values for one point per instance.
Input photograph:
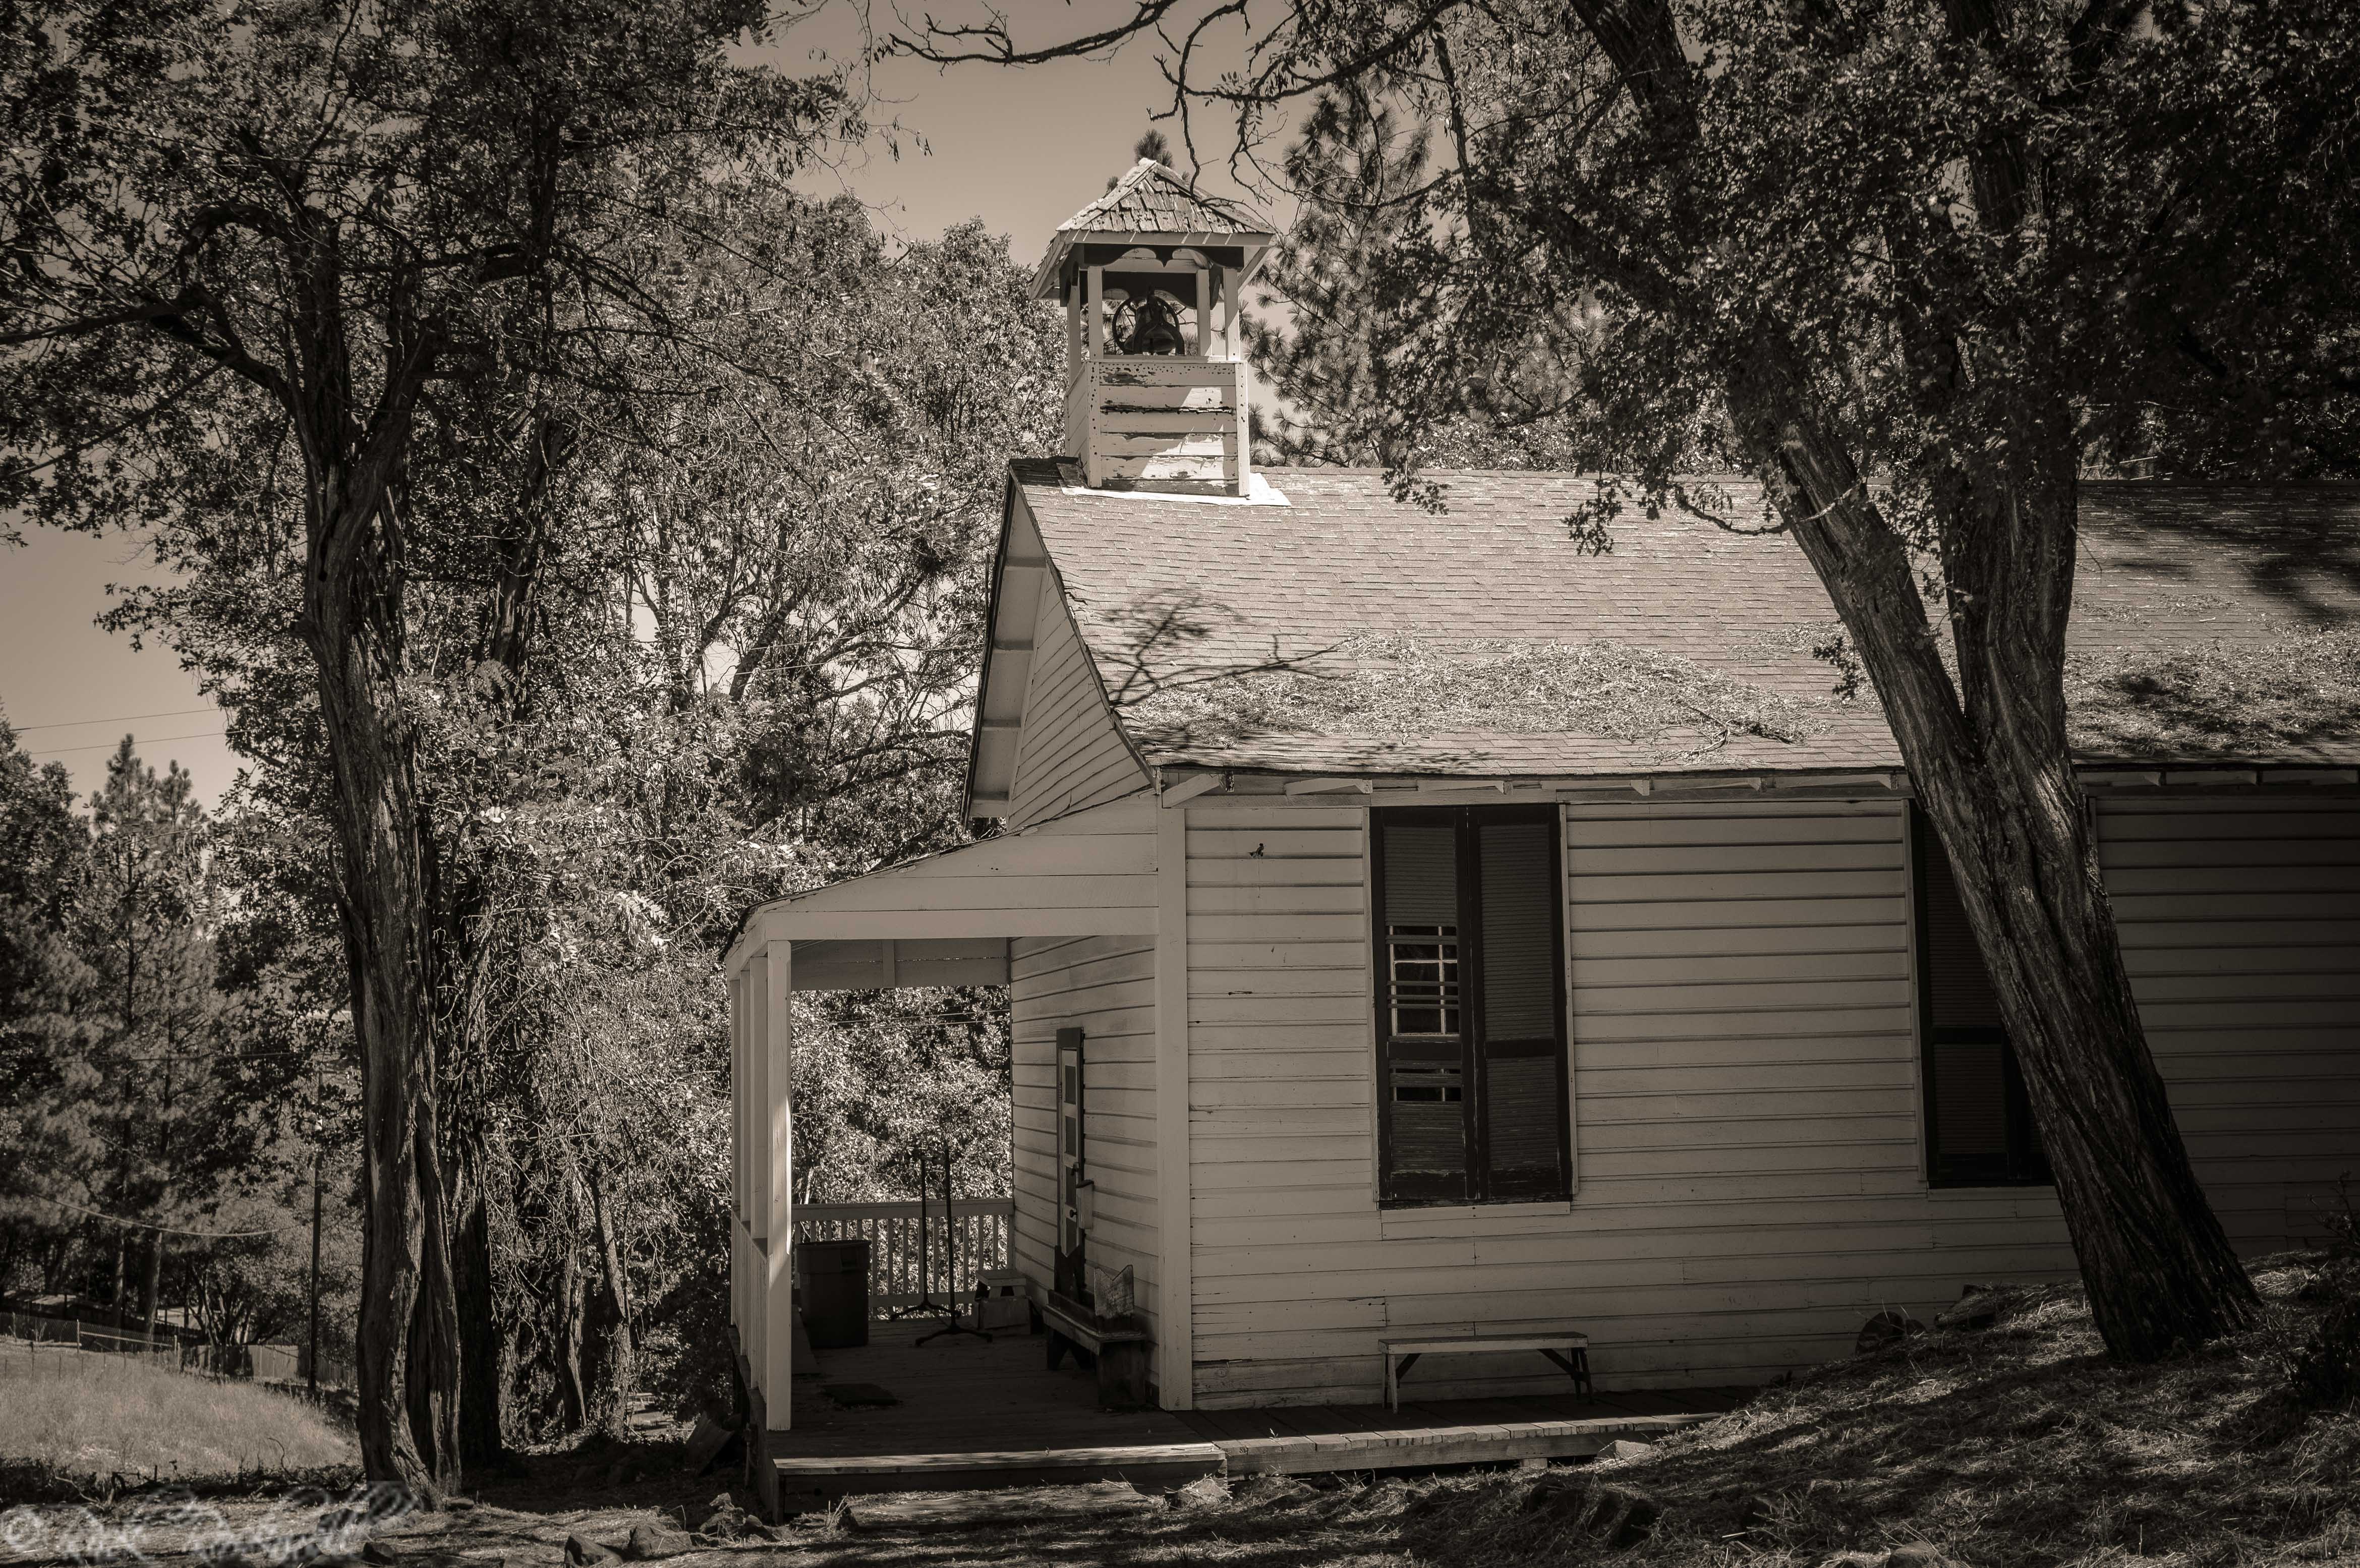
(1150, 199)
(1348, 632)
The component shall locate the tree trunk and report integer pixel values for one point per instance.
(1989, 753)
(573, 1398)
(622, 1368)
(354, 627)
(479, 1330)
(1993, 770)
(150, 1283)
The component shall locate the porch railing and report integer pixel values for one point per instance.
(974, 1238)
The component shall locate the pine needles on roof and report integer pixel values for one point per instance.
(1402, 687)
(2266, 701)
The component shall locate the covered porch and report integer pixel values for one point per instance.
(947, 920)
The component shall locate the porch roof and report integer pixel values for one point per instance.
(946, 919)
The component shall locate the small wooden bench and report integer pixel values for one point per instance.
(1570, 1351)
(1117, 1347)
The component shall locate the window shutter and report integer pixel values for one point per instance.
(1519, 907)
(1421, 1011)
(1524, 1095)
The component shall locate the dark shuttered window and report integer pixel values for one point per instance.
(1979, 1130)
(1470, 1005)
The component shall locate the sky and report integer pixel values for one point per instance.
(1022, 149)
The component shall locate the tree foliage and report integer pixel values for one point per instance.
(262, 247)
(756, 608)
(161, 1131)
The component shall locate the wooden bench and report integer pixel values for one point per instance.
(1570, 1351)
(1117, 1347)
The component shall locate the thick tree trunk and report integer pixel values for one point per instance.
(1988, 752)
(1991, 761)
(354, 627)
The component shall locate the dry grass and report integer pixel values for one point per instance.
(72, 1418)
(2021, 1444)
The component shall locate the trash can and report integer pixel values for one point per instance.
(834, 1276)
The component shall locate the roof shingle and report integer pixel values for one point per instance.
(1198, 616)
(1150, 199)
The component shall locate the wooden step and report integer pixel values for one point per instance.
(1158, 1466)
(1149, 1466)
(1415, 1448)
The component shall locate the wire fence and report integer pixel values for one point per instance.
(38, 1335)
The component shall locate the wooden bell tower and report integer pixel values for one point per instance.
(1157, 386)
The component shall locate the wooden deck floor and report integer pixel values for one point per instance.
(978, 1414)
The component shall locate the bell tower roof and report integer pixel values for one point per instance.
(1153, 205)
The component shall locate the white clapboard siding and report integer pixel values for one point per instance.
(2254, 1017)
(1746, 1091)
(1069, 754)
(1280, 1093)
(1106, 988)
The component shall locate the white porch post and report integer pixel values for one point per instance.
(740, 1267)
(742, 1021)
(775, 1198)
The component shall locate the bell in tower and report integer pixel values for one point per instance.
(1156, 382)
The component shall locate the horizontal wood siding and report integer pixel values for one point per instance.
(1750, 1180)
(1106, 988)
(1167, 419)
(2241, 927)
(1069, 754)
(1751, 1176)
(1282, 1129)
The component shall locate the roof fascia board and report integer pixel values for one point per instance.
(990, 630)
(1019, 647)
(1894, 782)
(1049, 280)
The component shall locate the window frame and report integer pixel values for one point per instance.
(2025, 1164)
(1479, 1188)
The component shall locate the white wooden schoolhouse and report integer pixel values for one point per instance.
(1451, 932)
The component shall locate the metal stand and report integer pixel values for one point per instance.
(926, 1306)
(950, 1233)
